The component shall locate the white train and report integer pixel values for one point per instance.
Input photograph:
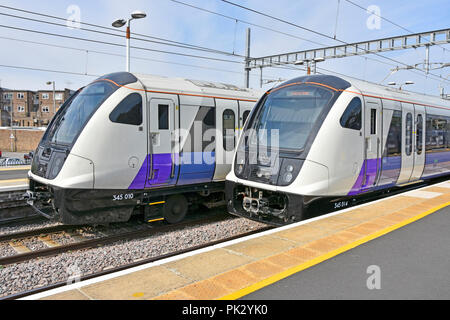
(129, 141)
(327, 138)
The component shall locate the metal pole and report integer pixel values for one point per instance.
(12, 131)
(427, 59)
(128, 46)
(261, 77)
(54, 101)
(247, 59)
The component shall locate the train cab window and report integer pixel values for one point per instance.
(351, 119)
(229, 127)
(419, 134)
(129, 111)
(163, 117)
(244, 117)
(408, 134)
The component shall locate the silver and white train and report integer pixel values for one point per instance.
(129, 141)
(322, 137)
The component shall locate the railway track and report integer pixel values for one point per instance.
(140, 262)
(13, 207)
(45, 235)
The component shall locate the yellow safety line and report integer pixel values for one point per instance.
(16, 169)
(155, 220)
(282, 275)
(12, 181)
(155, 203)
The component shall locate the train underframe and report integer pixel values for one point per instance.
(97, 207)
(265, 206)
(278, 208)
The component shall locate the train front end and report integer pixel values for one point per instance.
(273, 178)
(80, 149)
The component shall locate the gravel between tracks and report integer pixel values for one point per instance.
(27, 227)
(33, 274)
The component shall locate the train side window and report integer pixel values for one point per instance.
(419, 134)
(436, 136)
(351, 119)
(394, 138)
(244, 117)
(229, 128)
(408, 134)
(373, 121)
(129, 111)
(163, 116)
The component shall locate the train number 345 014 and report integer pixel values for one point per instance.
(341, 205)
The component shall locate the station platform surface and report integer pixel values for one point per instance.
(244, 267)
(14, 173)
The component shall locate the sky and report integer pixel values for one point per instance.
(85, 61)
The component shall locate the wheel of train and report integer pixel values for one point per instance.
(175, 208)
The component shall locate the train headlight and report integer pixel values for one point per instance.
(240, 163)
(56, 165)
(287, 178)
(289, 170)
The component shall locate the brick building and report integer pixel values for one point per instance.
(29, 108)
(47, 107)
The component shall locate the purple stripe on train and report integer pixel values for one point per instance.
(436, 164)
(369, 169)
(190, 168)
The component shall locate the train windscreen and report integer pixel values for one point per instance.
(288, 116)
(69, 123)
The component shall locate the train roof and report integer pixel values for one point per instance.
(377, 90)
(201, 88)
(213, 89)
(374, 90)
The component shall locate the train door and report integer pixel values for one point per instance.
(407, 143)
(162, 119)
(419, 142)
(373, 135)
(227, 121)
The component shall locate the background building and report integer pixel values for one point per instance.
(28, 108)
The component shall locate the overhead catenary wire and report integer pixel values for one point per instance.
(111, 29)
(188, 45)
(396, 63)
(426, 74)
(48, 70)
(121, 55)
(119, 45)
(387, 20)
(133, 37)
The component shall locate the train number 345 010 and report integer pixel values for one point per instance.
(120, 197)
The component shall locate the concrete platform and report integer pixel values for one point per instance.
(14, 184)
(14, 173)
(235, 269)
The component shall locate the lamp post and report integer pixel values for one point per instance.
(310, 62)
(54, 100)
(119, 23)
